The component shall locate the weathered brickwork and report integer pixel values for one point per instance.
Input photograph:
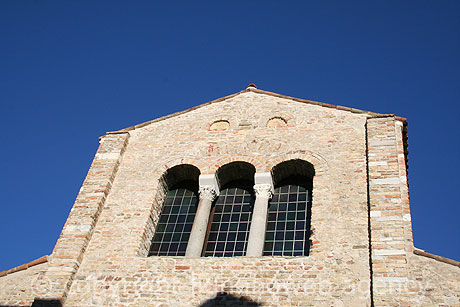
(432, 283)
(339, 254)
(361, 237)
(388, 213)
(18, 289)
(77, 232)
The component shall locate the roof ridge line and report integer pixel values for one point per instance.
(126, 130)
(421, 252)
(25, 266)
(259, 91)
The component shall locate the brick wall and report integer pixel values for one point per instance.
(389, 214)
(334, 141)
(77, 232)
(18, 288)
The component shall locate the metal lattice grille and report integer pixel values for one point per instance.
(287, 224)
(175, 224)
(230, 224)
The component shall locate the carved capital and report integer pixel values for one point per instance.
(263, 190)
(207, 192)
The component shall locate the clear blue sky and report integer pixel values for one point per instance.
(72, 70)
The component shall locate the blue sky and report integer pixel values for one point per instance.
(72, 70)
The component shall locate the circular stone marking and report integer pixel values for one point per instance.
(220, 125)
(276, 122)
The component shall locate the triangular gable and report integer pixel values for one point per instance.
(254, 89)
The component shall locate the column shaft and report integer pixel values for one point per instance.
(256, 238)
(209, 189)
(198, 233)
(263, 189)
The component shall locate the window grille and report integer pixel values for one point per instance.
(175, 224)
(288, 222)
(230, 223)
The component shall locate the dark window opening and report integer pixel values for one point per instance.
(289, 212)
(229, 223)
(288, 222)
(180, 186)
(175, 223)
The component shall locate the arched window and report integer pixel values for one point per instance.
(178, 211)
(231, 215)
(289, 212)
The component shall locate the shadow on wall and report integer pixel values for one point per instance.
(221, 299)
(46, 303)
(225, 299)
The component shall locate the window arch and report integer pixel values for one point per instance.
(289, 212)
(230, 218)
(172, 232)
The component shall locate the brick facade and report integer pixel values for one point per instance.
(361, 243)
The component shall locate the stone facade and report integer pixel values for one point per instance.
(361, 239)
(18, 288)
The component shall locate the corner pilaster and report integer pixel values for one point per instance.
(389, 214)
(69, 250)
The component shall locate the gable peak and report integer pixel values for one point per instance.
(253, 88)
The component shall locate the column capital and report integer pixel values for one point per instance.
(263, 185)
(207, 192)
(209, 187)
(263, 190)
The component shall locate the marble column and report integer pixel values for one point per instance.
(263, 189)
(208, 191)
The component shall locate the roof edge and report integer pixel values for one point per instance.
(25, 266)
(327, 105)
(175, 114)
(259, 91)
(423, 253)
